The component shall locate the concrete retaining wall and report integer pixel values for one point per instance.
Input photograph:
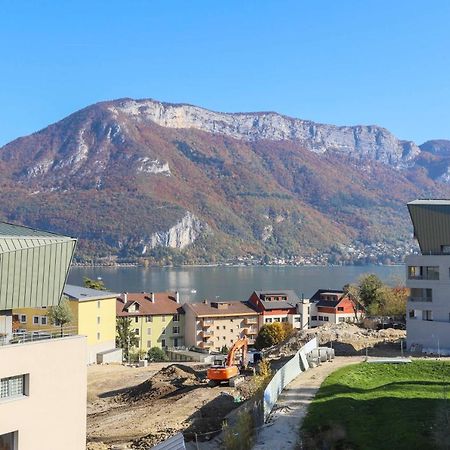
(296, 365)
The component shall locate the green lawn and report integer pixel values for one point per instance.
(381, 406)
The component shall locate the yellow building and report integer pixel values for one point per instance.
(156, 318)
(94, 316)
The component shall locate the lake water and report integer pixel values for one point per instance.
(231, 283)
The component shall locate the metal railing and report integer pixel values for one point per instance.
(420, 299)
(23, 336)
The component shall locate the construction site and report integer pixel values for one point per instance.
(136, 408)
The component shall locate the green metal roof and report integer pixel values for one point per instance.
(431, 221)
(34, 266)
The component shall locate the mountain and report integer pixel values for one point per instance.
(173, 182)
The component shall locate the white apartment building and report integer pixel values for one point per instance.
(42, 374)
(428, 278)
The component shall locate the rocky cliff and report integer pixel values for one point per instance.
(360, 141)
(141, 178)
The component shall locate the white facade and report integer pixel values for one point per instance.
(45, 406)
(428, 307)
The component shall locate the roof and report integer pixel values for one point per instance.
(165, 303)
(431, 221)
(17, 237)
(81, 293)
(318, 294)
(226, 308)
(278, 304)
(33, 266)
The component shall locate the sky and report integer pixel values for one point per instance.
(343, 62)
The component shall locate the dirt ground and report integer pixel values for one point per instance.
(139, 407)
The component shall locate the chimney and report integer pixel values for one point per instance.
(125, 297)
(177, 296)
(152, 297)
(205, 301)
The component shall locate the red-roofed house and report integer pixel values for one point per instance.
(332, 306)
(157, 318)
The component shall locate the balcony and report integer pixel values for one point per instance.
(207, 322)
(206, 333)
(251, 320)
(250, 331)
(206, 344)
(420, 299)
(23, 336)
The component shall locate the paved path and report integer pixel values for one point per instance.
(282, 430)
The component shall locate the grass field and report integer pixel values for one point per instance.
(381, 406)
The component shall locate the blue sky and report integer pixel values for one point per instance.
(342, 62)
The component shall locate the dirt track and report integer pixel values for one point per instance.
(136, 408)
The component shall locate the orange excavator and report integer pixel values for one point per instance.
(228, 372)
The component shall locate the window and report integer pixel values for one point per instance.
(423, 272)
(35, 320)
(217, 327)
(313, 317)
(175, 330)
(136, 319)
(224, 327)
(231, 320)
(427, 314)
(98, 320)
(136, 331)
(43, 320)
(223, 337)
(23, 318)
(176, 317)
(341, 319)
(421, 295)
(148, 318)
(231, 330)
(13, 386)
(163, 331)
(98, 336)
(284, 319)
(297, 319)
(163, 318)
(445, 249)
(269, 320)
(149, 331)
(340, 308)
(432, 273)
(412, 314)
(149, 344)
(163, 342)
(98, 303)
(326, 319)
(321, 318)
(8, 441)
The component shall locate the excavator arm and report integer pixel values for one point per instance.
(240, 343)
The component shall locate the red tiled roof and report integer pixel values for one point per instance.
(165, 303)
(226, 308)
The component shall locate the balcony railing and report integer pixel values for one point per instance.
(21, 337)
(420, 299)
(207, 322)
(250, 330)
(249, 320)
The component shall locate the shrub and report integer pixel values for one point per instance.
(156, 354)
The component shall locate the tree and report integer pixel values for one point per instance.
(394, 302)
(61, 314)
(370, 293)
(94, 284)
(156, 354)
(126, 338)
(270, 334)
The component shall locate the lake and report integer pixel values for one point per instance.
(231, 283)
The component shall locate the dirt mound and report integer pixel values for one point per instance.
(167, 381)
(350, 337)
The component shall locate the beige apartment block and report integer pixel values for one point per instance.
(214, 325)
(43, 394)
